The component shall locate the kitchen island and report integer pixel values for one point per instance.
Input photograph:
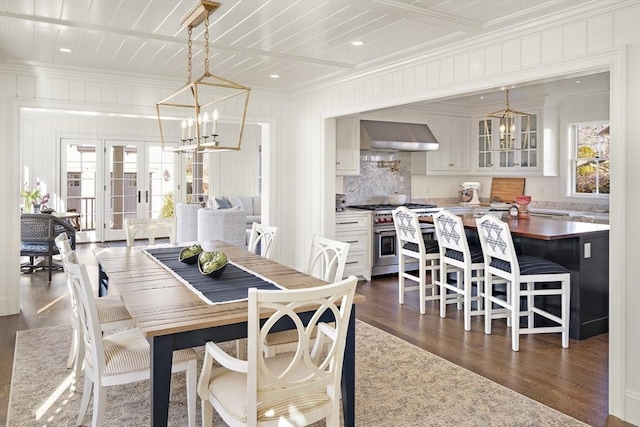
(583, 248)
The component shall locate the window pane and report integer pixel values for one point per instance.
(592, 165)
(590, 145)
(592, 177)
(603, 177)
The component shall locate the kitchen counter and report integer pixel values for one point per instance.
(551, 213)
(581, 247)
(540, 228)
(572, 215)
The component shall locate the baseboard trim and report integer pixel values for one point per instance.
(632, 407)
(5, 307)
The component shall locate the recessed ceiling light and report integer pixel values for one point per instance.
(357, 43)
(577, 81)
(275, 76)
(65, 50)
(482, 97)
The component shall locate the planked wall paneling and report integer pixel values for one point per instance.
(504, 61)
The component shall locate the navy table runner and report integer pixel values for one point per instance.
(231, 286)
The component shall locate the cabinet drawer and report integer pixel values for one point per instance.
(355, 265)
(357, 240)
(350, 223)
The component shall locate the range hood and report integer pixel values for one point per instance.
(377, 135)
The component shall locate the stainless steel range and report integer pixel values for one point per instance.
(385, 257)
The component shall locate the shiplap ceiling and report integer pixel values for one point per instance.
(303, 41)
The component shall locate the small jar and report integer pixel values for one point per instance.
(513, 212)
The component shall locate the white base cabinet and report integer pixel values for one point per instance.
(356, 229)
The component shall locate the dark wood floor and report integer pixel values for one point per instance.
(573, 381)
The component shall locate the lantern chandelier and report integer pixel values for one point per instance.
(188, 118)
(510, 123)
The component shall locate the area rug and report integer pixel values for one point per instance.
(397, 384)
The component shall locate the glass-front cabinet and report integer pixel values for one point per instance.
(520, 154)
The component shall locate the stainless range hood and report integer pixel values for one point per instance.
(377, 135)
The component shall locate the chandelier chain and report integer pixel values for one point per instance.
(189, 45)
(206, 44)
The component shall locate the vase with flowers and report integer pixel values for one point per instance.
(33, 198)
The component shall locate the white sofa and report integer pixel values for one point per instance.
(195, 223)
(187, 222)
(227, 225)
(252, 205)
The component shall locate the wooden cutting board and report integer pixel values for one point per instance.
(505, 189)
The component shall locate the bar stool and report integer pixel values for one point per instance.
(467, 262)
(500, 260)
(411, 244)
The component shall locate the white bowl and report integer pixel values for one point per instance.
(396, 199)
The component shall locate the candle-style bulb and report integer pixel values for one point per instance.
(214, 117)
(205, 120)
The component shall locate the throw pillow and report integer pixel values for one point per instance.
(212, 204)
(247, 204)
(236, 202)
(223, 203)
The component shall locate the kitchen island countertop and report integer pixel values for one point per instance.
(540, 228)
(557, 213)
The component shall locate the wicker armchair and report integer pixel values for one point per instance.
(37, 239)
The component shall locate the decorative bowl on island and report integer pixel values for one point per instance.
(212, 264)
(523, 200)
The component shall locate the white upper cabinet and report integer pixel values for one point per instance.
(526, 153)
(348, 145)
(454, 135)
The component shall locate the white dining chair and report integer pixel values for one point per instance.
(118, 358)
(327, 259)
(150, 229)
(262, 239)
(524, 273)
(112, 313)
(412, 245)
(296, 388)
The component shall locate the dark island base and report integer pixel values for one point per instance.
(589, 278)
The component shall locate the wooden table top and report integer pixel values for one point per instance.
(539, 228)
(163, 305)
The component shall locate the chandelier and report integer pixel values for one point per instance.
(512, 125)
(189, 119)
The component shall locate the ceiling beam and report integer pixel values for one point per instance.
(420, 14)
(138, 35)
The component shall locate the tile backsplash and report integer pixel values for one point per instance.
(381, 173)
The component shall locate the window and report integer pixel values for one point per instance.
(591, 165)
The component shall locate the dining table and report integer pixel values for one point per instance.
(172, 316)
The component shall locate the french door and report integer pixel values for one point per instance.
(140, 182)
(80, 181)
(107, 181)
